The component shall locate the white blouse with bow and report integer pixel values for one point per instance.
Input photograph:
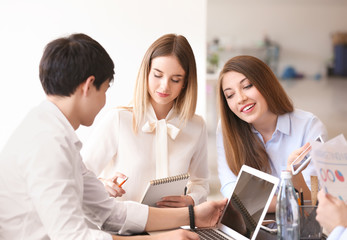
(161, 148)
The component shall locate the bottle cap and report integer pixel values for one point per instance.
(286, 174)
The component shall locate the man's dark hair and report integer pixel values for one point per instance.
(68, 62)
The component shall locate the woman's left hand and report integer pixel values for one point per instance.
(176, 201)
(296, 153)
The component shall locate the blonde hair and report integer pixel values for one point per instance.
(185, 103)
(241, 145)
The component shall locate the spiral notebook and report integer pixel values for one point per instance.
(170, 186)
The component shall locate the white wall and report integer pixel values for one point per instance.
(124, 28)
(302, 27)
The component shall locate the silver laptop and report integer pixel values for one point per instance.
(246, 207)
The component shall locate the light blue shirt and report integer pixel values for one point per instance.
(339, 233)
(292, 131)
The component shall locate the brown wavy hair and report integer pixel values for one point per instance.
(241, 145)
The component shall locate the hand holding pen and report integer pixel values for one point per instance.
(114, 185)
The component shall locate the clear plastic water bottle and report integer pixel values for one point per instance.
(287, 210)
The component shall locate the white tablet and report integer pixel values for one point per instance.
(297, 165)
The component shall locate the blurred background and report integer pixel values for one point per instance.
(303, 41)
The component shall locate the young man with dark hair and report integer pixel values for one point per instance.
(46, 192)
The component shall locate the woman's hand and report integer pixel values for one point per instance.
(296, 153)
(111, 185)
(331, 211)
(176, 201)
(207, 214)
(298, 179)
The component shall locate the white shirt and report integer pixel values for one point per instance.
(47, 193)
(292, 131)
(159, 149)
(339, 233)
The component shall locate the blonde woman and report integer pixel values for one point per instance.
(159, 135)
(259, 126)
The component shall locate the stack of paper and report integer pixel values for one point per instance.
(330, 161)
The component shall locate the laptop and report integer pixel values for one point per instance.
(246, 207)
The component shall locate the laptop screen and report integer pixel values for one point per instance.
(247, 204)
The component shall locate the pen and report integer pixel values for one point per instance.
(301, 197)
(185, 190)
(125, 179)
(297, 196)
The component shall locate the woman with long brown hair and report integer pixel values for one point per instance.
(258, 124)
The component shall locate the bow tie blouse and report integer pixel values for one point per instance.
(161, 148)
(162, 129)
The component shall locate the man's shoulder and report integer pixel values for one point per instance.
(42, 125)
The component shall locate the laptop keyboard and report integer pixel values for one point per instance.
(209, 234)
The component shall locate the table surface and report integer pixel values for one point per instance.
(262, 234)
